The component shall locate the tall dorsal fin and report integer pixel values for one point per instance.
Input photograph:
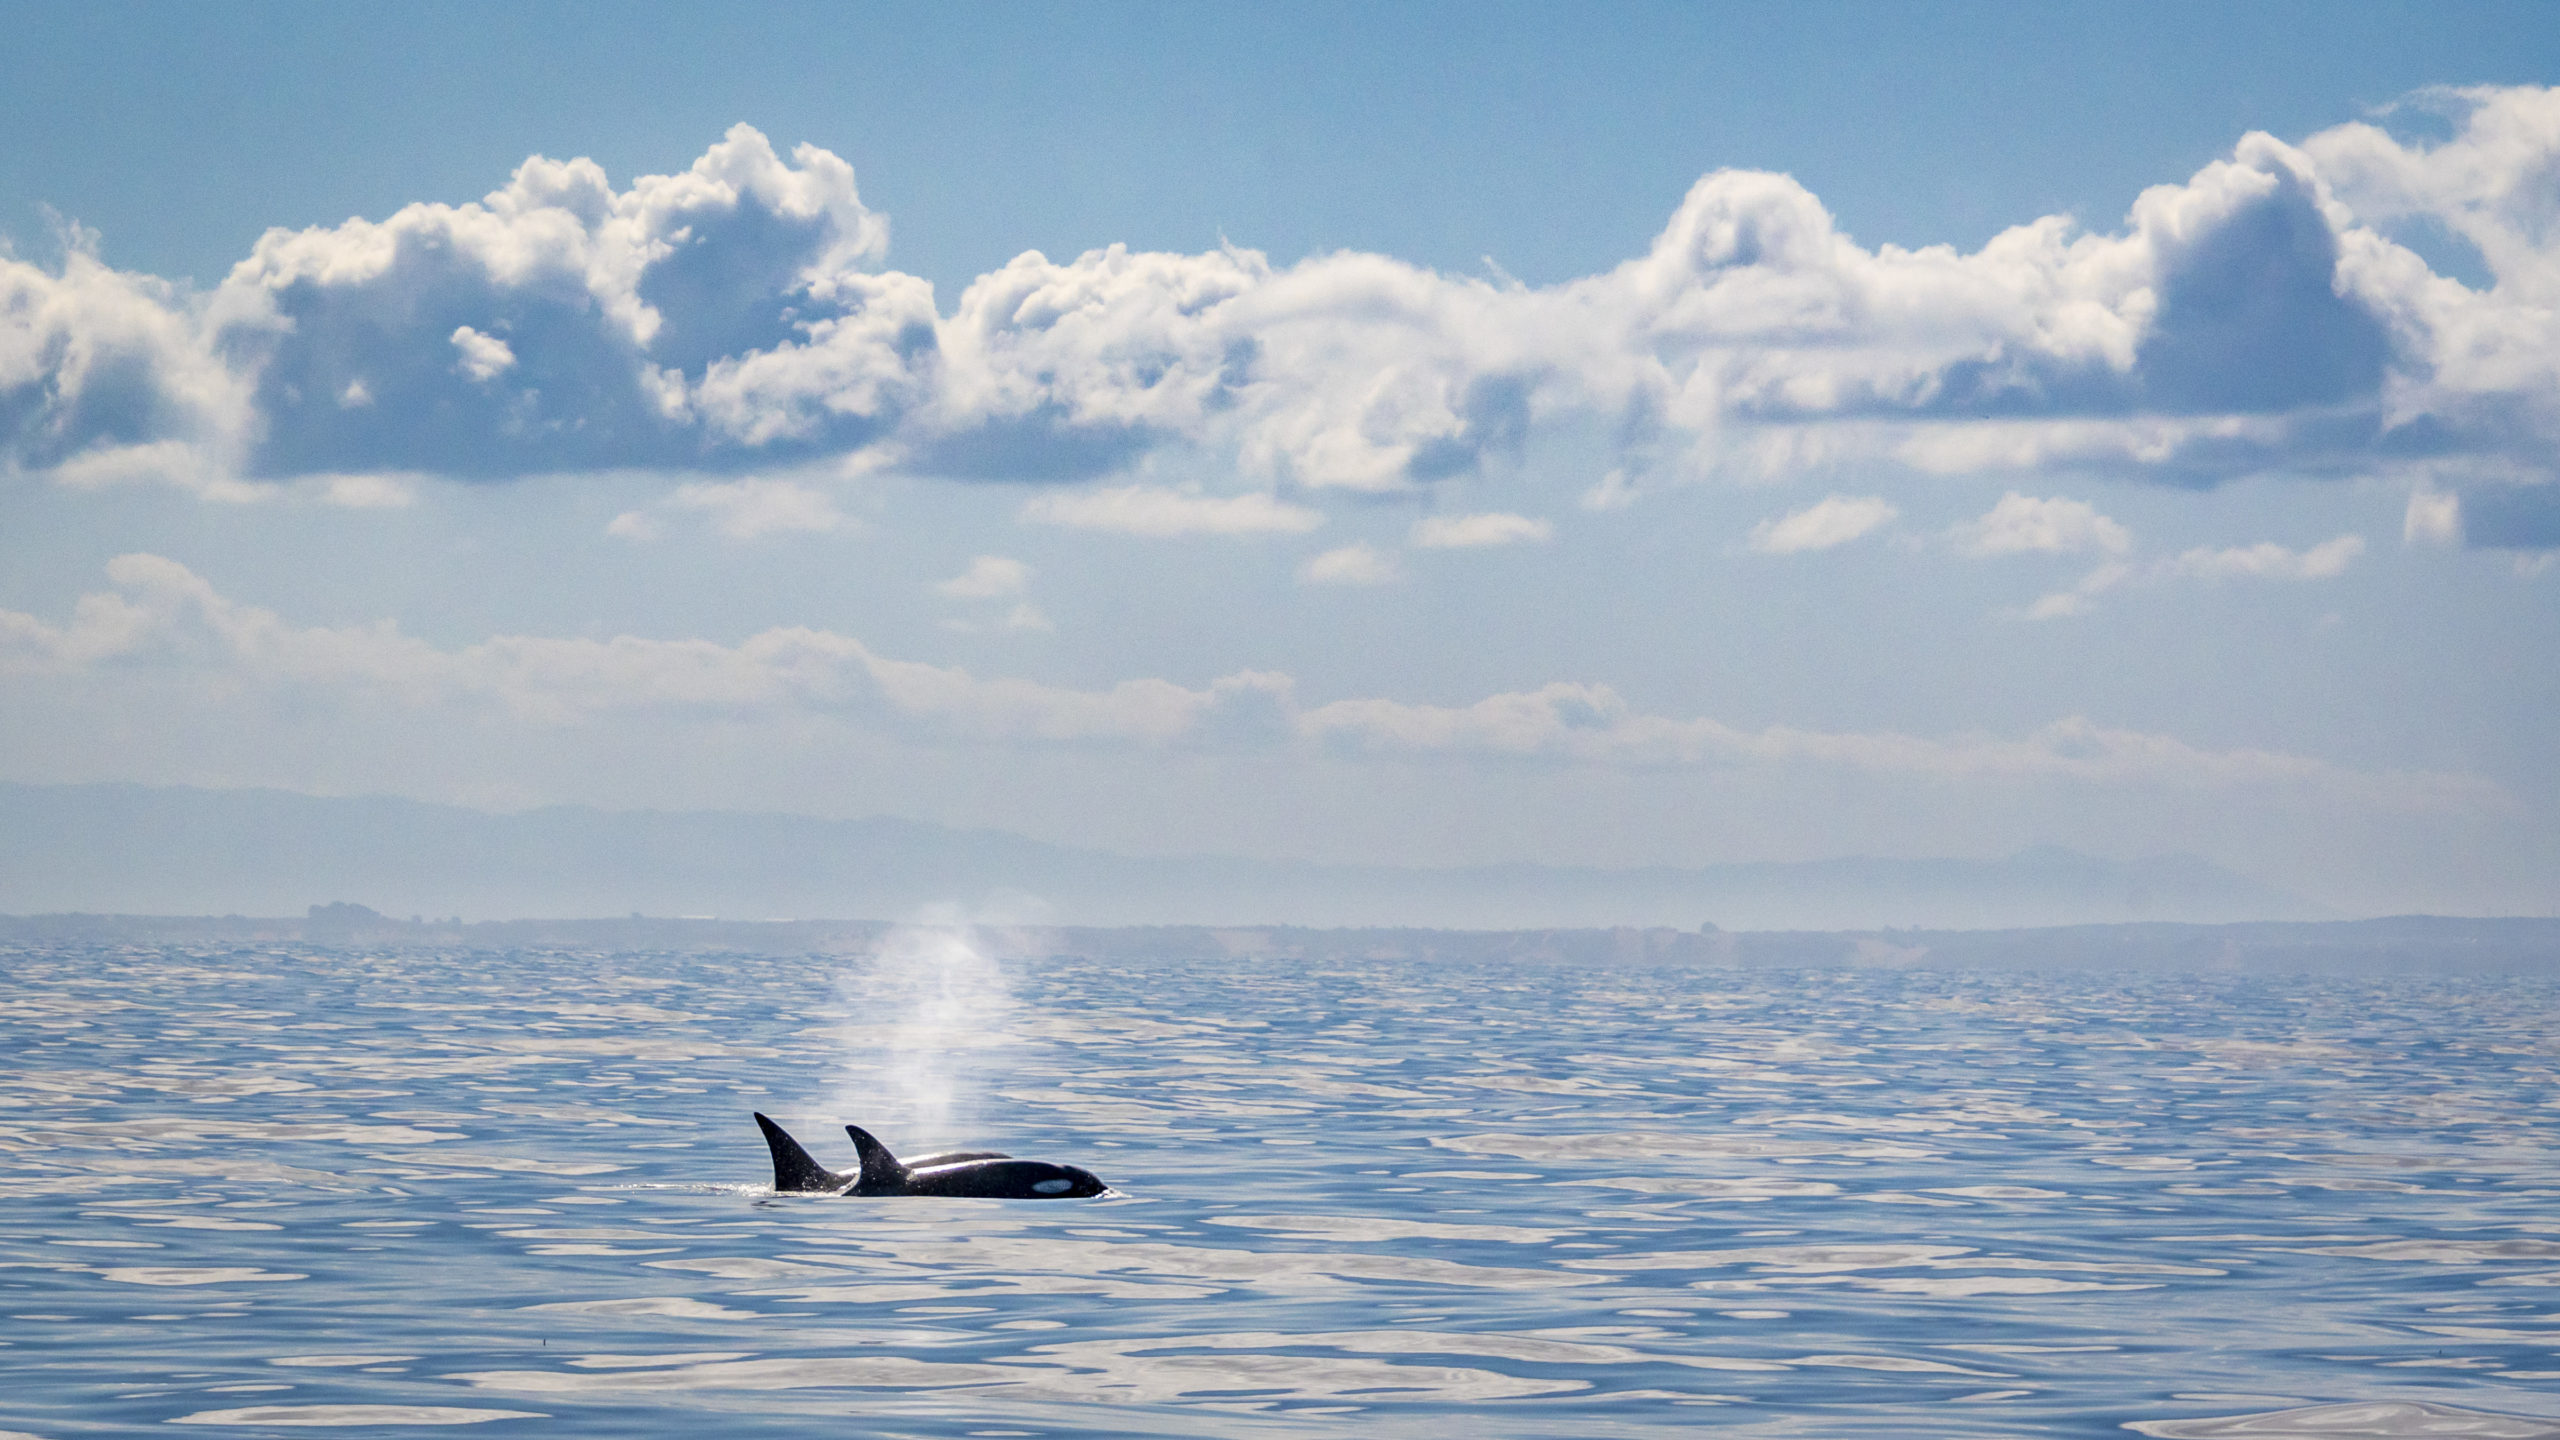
(793, 1169)
(881, 1171)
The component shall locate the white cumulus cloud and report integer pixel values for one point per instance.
(1834, 521)
(1164, 514)
(484, 357)
(1357, 564)
(2062, 604)
(2020, 524)
(2259, 315)
(1467, 532)
(2269, 561)
(2433, 516)
(369, 492)
(2265, 560)
(746, 509)
(989, 577)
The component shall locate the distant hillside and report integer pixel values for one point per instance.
(2407, 945)
(134, 849)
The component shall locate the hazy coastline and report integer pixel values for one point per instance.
(2410, 944)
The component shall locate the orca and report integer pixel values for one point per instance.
(794, 1172)
(986, 1177)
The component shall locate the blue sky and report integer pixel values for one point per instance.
(1680, 435)
(1436, 133)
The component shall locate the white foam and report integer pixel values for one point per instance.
(194, 1275)
(354, 1415)
(2367, 1420)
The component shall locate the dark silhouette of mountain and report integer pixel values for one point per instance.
(133, 849)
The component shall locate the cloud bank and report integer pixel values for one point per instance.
(2263, 315)
(162, 623)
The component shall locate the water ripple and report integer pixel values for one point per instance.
(272, 1188)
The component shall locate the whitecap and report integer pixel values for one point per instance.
(195, 1275)
(2363, 1420)
(353, 1415)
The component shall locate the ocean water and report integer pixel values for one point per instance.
(272, 1190)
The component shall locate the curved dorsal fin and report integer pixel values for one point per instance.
(881, 1171)
(793, 1169)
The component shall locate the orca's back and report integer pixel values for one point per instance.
(1006, 1180)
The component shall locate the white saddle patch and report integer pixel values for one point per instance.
(1054, 1187)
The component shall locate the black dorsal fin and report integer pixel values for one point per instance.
(881, 1171)
(793, 1170)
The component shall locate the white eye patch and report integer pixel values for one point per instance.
(1054, 1187)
